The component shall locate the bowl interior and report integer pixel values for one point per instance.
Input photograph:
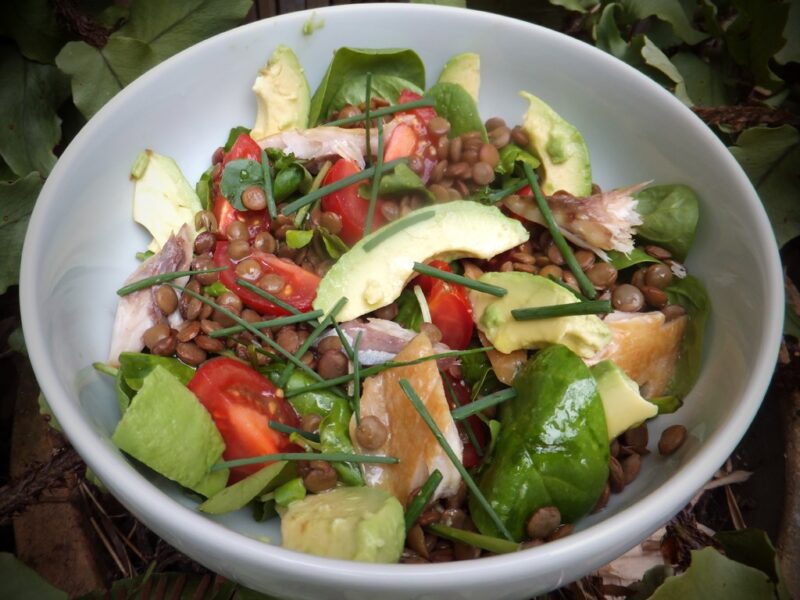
(82, 240)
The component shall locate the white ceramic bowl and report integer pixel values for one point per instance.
(81, 243)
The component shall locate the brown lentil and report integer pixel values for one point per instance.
(391, 210)
(500, 137)
(658, 276)
(673, 311)
(439, 126)
(655, 297)
(631, 465)
(488, 154)
(627, 298)
(166, 299)
(265, 242)
(206, 311)
(613, 448)
(251, 316)
(237, 231)
(494, 122)
(616, 476)
(637, 437)
(526, 268)
(155, 334)
(209, 344)
(438, 171)
(672, 438)
(459, 498)
(308, 359)
(602, 501)
(458, 170)
(507, 267)
(519, 137)
(585, 259)
(553, 270)
(442, 148)
(461, 188)
(429, 516)
(456, 146)
(207, 326)
(637, 279)
(371, 433)
(554, 254)
(602, 275)
(658, 252)
(543, 522)
(321, 477)
(562, 532)
(190, 353)
(249, 269)
(454, 517)
(347, 111)
(238, 249)
(188, 331)
(329, 343)
(204, 242)
(272, 283)
(254, 198)
(311, 422)
(416, 541)
(165, 346)
(483, 173)
(288, 339)
(470, 156)
(230, 301)
(205, 219)
(332, 363)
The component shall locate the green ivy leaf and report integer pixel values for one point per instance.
(669, 11)
(29, 127)
(753, 548)
(756, 36)
(33, 25)
(704, 82)
(18, 580)
(16, 204)
(771, 158)
(711, 575)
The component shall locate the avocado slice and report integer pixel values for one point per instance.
(351, 523)
(623, 404)
(465, 70)
(163, 199)
(583, 334)
(372, 277)
(560, 147)
(282, 94)
(167, 428)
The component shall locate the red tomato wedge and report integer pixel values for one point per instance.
(256, 220)
(347, 203)
(242, 402)
(402, 143)
(470, 457)
(450, 307)
(299, 291)
(424, 113)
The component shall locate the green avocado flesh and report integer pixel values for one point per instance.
(623, 404)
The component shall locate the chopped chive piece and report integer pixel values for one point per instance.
(381, 112)
(424, 309)
(376, 179)
(556, 280)
(279, 322)
(467, 424)
(345, 342)
(396, 227)
(558, 237)
(481, 404)
(338, 185)
(590, 307)
(367, 101)
(318, 179)
(495, 197)
(327, 457)
(162, 278)
(277, 426)
(375, 369)
(437, 433)
(256, 332)
(105, 368)
(287, 372)
(266, 295)
(273, 211)
(422, 498)
(494, 290)
(357, 379)
(485, 542)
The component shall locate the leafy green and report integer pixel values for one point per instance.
(455, 104)
(237, 176)
(651, 579)
(290, 491)
(620, 260)
(400, 182)
(299, 238)
(135, 366)
(691, 295)
(233, 135)
(334, 245)
(771, 158)
(16, 204)
(751, 547)
(705, 82)
(352, 63)
(18, 580)
(510, 155)
(478, 374)
(670, 214)
(673, 12)
(353, 91)
(204, 188)
(34, 26)
(215, 289)
(711, 575)
(243, 491)
(29, 98)
(287, 180)
(409, 314)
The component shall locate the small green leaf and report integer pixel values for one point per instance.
(299, 238)
(16, 204)
(510, 155)
(400, 182)
(237, 176)
(334, 245)
(215, 289)
(243, 491)
(290, 491)
(204, 188)
(621, 261)
(704, 82)
(18, 580)
(670, 214)
(690, 293)
(455, 104)
(409, 314)
(29, 98)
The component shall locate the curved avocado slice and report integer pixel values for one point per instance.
(560, 147)
(374, 271)
(623, 404)
(282, 94)
(350, 523)
(465, 70)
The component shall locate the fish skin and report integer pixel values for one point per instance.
(137, 312)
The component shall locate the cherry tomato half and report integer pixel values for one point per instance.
(300, 285)
(451, 310)
(242, 402)
(348, 204)
(470, 457)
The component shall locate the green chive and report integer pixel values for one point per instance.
(397, 226)
(479, 286)
(327, 457)
(357, 379)
(376, 180)
(277, 426)
(318, 178)
(437, 433)
(162, 278)
(287, 372)
(256, 332)
(467, 424)
(590, 307)
(105, 368)
(495, 197)
(481, 404)
(375, 369)
(558, 237)
(273, 211)
(343, 338)
(279, 322)
(367, 101)
(422, 498)
(556, 280)
(382, 112)
(267, 296)
(485, 542)
(338, 185)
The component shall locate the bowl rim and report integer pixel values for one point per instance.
(144, 498)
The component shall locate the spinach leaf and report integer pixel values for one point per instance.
(352, 63)
(691, 295)
(233, 135)
(400, 182)
(670, 214)
(455, 104)
(204, 188)
(354, 91)
(512, 154)
(409, 314)
(239, 175)
(621, 261)
(135, 366)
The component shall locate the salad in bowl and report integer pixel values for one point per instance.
(411, 333)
